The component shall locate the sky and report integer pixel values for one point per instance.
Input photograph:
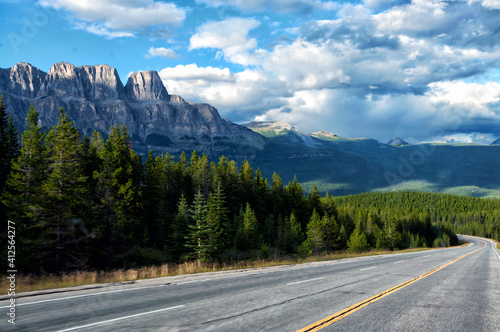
(423, 70)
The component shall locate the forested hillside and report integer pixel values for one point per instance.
(462, 214)
(90, 203)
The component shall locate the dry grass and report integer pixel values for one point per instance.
(25, 283)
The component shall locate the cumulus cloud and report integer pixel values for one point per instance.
(230, 36)
(249, 91)
(161, 52)
(280, 6)
(490, 4)
(380, 69)
(113, 18)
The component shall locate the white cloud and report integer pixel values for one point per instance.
(397, 72)
(490, 4)
(306, 66)
(420, 15)
(161, 52)
(281, 6)
(248, 91)
(113, 18)
(471, 100)
(230, 36)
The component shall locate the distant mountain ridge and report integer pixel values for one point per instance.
(397, 142)
(95, 98)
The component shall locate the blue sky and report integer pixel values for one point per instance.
(425, 70)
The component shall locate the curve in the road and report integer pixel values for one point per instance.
(344, 313)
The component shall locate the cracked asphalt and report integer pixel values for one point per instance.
(464, 296)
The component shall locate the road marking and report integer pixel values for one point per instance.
(120, 318)
(299, 282)
(428, 256)
(398, 262)
(493, 244)
(84, 295)
(369, 268)
(343, 313)
(190, 282)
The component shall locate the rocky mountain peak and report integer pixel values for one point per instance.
(144, 86)
(62, 81)
(25, 80)
(96, 83)
(95, 98)
(397, 142)
(324, 135)
(271, 128)
(101, 82)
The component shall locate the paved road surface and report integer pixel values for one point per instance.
(461, 296)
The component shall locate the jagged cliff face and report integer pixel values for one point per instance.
(96, 99)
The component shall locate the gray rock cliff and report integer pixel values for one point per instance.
(95, 98)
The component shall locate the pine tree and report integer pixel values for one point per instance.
(198, 240)
(248, 233)
(63, 193)
(117, 187)
(150, 198)
(9, 150)
(332, 232)
(292, 234)
(294, 196)
(23, 193)
(314, 201)
(357, 241)
(217, 220)
(315, 240)
(179, 229)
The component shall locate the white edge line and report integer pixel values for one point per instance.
(493, 244)
(84, 295)
(299, 282)
(398, 262)
(369, 268)
(192, 281)
(120, 318)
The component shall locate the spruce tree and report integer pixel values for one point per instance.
(357, 241)
(23, 194)
(9, 150)
(315, 240)
(63, 192)
(198, 239)
(117, 188)
(248, 237)
(179, 229)
(217, 220)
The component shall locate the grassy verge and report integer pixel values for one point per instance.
(26, 283)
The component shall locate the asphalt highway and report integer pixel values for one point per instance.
(452, 289)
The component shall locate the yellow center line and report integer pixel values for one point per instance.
(346, 312)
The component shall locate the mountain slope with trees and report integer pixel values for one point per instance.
(94, 204)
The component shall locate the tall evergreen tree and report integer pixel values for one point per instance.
(117, 186)
(9, 150)
(63, 192)
(199, 237)
(357, 241)
(179, 229)
(24, 191)
(248, 231)
(217, 220)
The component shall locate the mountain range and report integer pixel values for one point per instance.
(95, 98)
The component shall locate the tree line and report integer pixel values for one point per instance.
(93, 203)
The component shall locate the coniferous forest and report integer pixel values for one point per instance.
(89, 203)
